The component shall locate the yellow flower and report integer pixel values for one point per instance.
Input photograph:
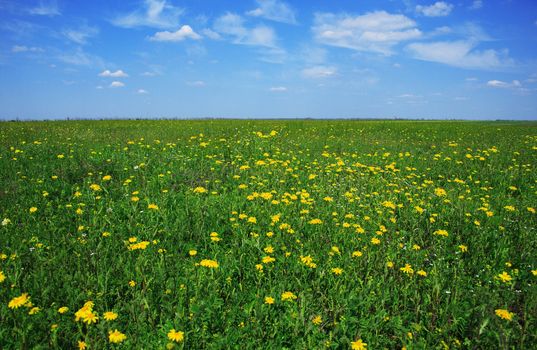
(116, 336)
(212, 264)
(534, 272)
(19, 301)
(34, 310)
(2, 277)
(107, 178)
(141, 245)
(132, 283)
(407, 269)
(200, 189)
(135, 199)
(82, 345)
(504, 314)
(422, 273)
(337, 271)
(317, 320)
(288, 296)
(505, 277)
(357, 254)
(192, 252)
(110, 315)
(441, 233)
(358, 345)
(315, 222)
(269, 249)
(176, 336)
(440, 192)
(463, 248)
(152, 206)
(389, 264)
(269, 300)
(268, 259)
(375, 241)
(63, 309)
(33, 209)
(95, 187)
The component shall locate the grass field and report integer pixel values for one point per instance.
(268, 235)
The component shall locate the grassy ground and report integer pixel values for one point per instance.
(268, 234)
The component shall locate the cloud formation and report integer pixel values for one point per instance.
(154, 14)
(438, 9)
(116, 84)
(375, 31)
(185, 32)
(232, 25)
(117, 74)
(22, 48)
(460, 53)
(49, 8)
(274, 10)
(81, 35)
(317, 72)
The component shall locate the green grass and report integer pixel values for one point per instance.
(361, 179)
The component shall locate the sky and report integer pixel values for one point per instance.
(471, 59)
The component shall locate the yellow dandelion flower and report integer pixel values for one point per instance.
(2, 277)
(337, 271)
(407, 269)
(269, 300)
(317, 320)
(152, 206)
(32, 210)
(192, 252)
(63, 309)
(212, 264)
(110, 315)
(288, 296)
(19, 301)
(82, 345)
(107, 178)
(176, 336)
(200, 189)
(504, 314)
(358, 345)
(116, 336)
(505, 277)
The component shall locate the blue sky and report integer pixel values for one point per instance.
(268, 58)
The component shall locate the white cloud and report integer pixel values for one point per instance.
(197, 83)
(278, 89)
(155, 14)
(80, 58)
(438, 9)
(274, 10)
(504, 85)
(22, 48)
(375, 31)
(142, 92)
(233, 26)
(476, 5)
(81, 35)
(117, 74)
(116, 84)
(460, 53)
(45, 9)
(211, 34)
(185, 32)
(319, 72)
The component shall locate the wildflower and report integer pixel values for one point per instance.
(192, 252)
(534, 272)
(152, 206)
(19, 301)
(509, 208)
(107, 178)
(32, 210)
(214, 237)
(407, 269)
(34, 310)
(259, 267)
(422, 273)
(176, 336)
(337, 271)
(268, 259)
(357, 254)
(95, 187)
(441, 233)
(463, 248)
(2, 277)
(110, 315)
(375, 241)
(82, 345)
(317, 320)
(63, 309)
(212, 264)
(288, 296)
(116, 336)
(132, 283)
(358, 345)
(530, 209)
(141, 245)
(389, 264)
(6, 222)
(505, 277)
(200, 190)
(440, 192)
(269, 300)
(269, 250)
(315, 222)
(504, 314)
(135, 199)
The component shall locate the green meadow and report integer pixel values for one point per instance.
(258, 234)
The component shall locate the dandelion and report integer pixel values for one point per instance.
(176, 336)
(212, 264)
(357, 254)
(6, 222)
(192, 252)
(375, 241)
(463, 248)
(110, 315)
(2, 276)
(505, 277)
(440, 192)
(315, 222)
(63, 309)
(441, 233)
(389, 264)
(116, 336)
(95, 187)
(19, 301)
(34, 310)
(504, 314)
(268, 259)
(422, 273)
(407, 269)
(152, 206)
(269, 300)
(82, 345)
(132, 283)
(200, 189)
(337, 271)
(288, 296)
(317, 320)
(139, 246)
(358, 345)
(32, 210)
(107, 178)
